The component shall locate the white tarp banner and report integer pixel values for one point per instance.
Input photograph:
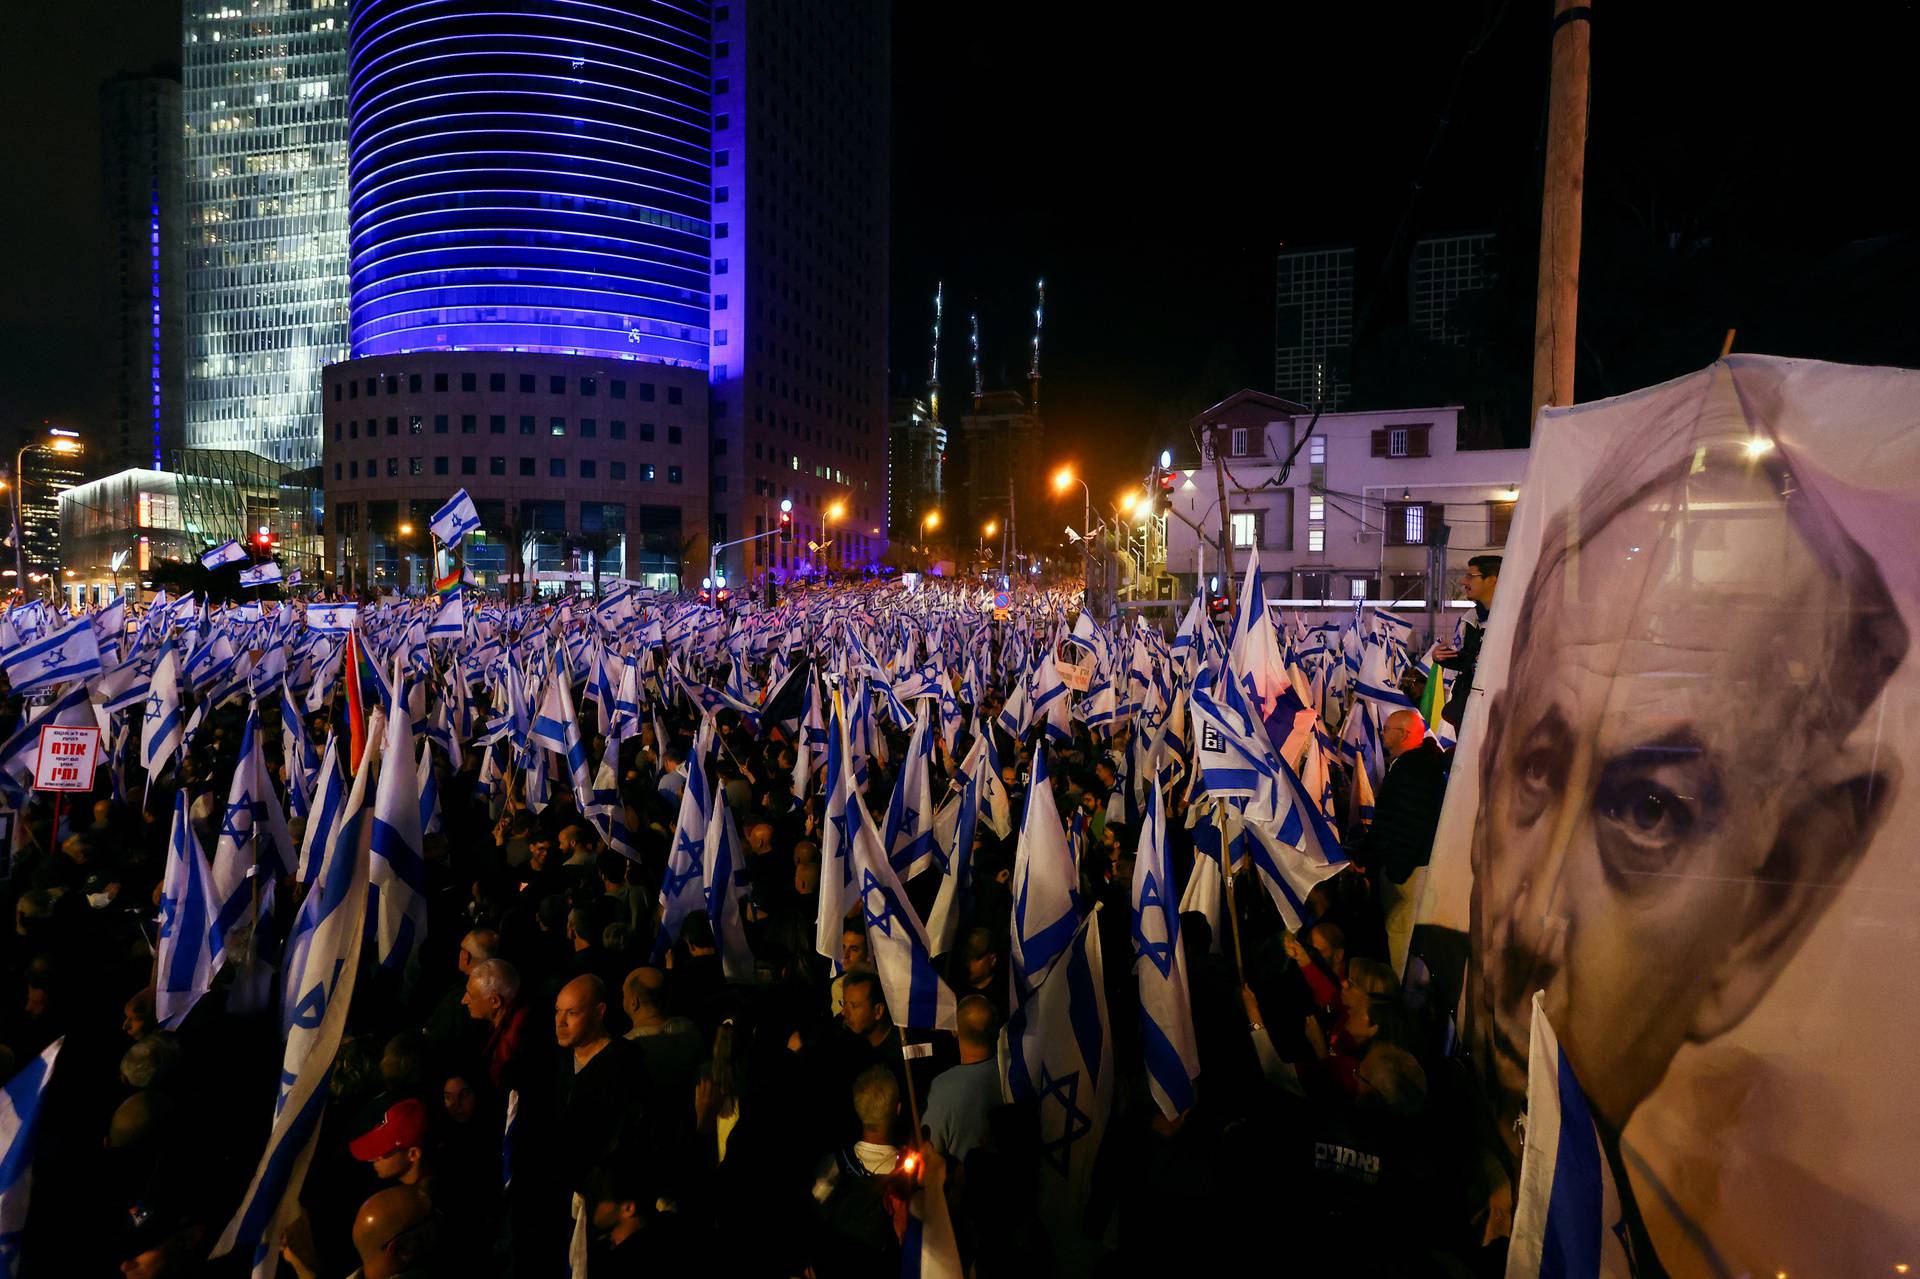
(1685, 807)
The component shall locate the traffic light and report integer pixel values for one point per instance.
(786, 526)
(263, 539)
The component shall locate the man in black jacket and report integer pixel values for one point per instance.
(1476, 584)
(1406, 813)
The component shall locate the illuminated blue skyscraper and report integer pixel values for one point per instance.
(531, 175)
(266, 151)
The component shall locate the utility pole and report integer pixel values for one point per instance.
(1226, 515)
(1006, 534)
(1557, 300)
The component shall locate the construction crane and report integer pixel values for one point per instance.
(1033, 369)
(933, 377)
(979, 390)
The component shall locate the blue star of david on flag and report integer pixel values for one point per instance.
(871, 890)
(1159, 952)
(1075, 1123)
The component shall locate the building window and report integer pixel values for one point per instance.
(353, 430)
(673, 475)
(557, 426)
(1317, 449)
(646, 432)
(646, 392)
(439, 466)
(496, 424)
(353, 470)
(1316, 508)
(439, 423)
(588, 470)
(618, 387)
(616, 470)
(557, 468)
(1239, 444)
(393, 467)
(719, 266)
(413, 466)
(588, 428)
(526, 424)
(526, 384)
(1357, 587)
(589, 386)
(496, 466)
(496, 381)
(617, 429)
(336, 470)
(1407, 522)
(646, 470)
(1317, 540)
(526, 466)
(1499, 520)
(673, 435)
(413, 383)
(556, 385)
(393, 426)
(1401, 441)
(469, 466)
(469, 424)
(1246, 528)
(469, 381)
(1414, 527)
(673, 395)
(439, 381)
(413, 423)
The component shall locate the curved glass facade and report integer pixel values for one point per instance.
(531, 175)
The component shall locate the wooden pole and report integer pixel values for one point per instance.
(1226, 515)
(1557, 299)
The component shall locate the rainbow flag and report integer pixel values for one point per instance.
(1434, 699)
(356, 703)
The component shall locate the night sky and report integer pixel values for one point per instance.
(1746, 169)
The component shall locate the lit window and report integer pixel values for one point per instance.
(1357, 588)
(1317, 450)
(1246, 528)
(1316, 508)
(1416, 526)
(1397, 442)
(1239, 441)
(1317, 540)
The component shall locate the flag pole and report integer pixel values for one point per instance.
(1226, 876)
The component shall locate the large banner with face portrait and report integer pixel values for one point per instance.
(1685, 806)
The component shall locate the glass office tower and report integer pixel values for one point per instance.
(265, 105)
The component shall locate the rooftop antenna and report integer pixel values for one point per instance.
(1033, 369)
(933, 378)
(979, 391)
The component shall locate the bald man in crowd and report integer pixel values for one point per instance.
(1406, 812)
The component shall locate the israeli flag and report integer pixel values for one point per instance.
(837, 891)
(1056, 1053)
(910, 844)
(228, 552)
(262, 574)
(71, 652)
(185, 958)
(332, 619)
(252, 817)
(397, 906)
(19, 1120)
(724, 889)
(1166, 1011)
(683, 890)
(329, 799)
(1567, 1218)
(955, 827)
(449, 620)
(455, 520)
(557, 728)
(1044, 883)
(323, 965)
(897, 940)
(1296, 851)
(162, 723)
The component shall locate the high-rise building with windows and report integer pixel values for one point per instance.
(799, 361)
(265, 108)
(140, 181)
(1442, 269)
(1313, 326)
(529, 228)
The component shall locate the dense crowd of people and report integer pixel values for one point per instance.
(542, 1090)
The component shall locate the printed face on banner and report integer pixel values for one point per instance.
(1682, 809)
(1667, 797)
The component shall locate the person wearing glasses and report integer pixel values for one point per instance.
(1476, 584)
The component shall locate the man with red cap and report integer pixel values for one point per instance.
(397, 1146)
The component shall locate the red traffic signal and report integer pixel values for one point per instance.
(786, 526)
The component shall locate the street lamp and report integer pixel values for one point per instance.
(834, 512)
(1063, 480)
(61, 442)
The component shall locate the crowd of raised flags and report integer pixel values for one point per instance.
(1246, 728)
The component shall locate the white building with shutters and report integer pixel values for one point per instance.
(1353, 508)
